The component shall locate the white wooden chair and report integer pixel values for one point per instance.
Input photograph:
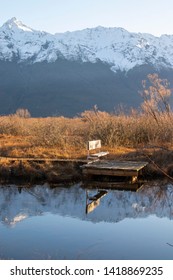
(95, 145)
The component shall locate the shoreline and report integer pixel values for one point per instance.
(68, 171)
(134, 137)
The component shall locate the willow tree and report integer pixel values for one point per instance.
(155, 94)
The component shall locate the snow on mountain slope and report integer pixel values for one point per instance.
(117, 47)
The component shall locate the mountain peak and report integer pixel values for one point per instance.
(121, 49)
(15, 23)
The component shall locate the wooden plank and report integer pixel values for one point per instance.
(109, 172)
(116, 165)
(82, 161)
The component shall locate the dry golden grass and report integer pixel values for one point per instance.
(133, 136)
(60, 137)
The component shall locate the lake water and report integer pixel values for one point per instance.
(63, 223)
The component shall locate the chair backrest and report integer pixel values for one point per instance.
(94, 144)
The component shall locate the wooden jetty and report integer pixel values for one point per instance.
(92, 168)
(114, 168)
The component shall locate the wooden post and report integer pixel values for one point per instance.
(134, 179)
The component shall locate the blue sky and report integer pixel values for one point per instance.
(150, 16)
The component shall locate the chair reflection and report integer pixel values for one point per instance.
(93, 201)
(95, 191)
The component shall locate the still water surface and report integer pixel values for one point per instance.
(63, 223)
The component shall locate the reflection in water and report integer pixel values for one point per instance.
(94, 200)
(17, 204)
(71, 223)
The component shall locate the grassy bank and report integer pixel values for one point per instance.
(136, 136)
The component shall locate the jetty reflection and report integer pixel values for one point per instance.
(100, 189)
(19, 203)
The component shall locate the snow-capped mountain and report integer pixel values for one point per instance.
(67, 73)
(117, 47)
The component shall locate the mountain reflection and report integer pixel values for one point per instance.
(17, 204)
